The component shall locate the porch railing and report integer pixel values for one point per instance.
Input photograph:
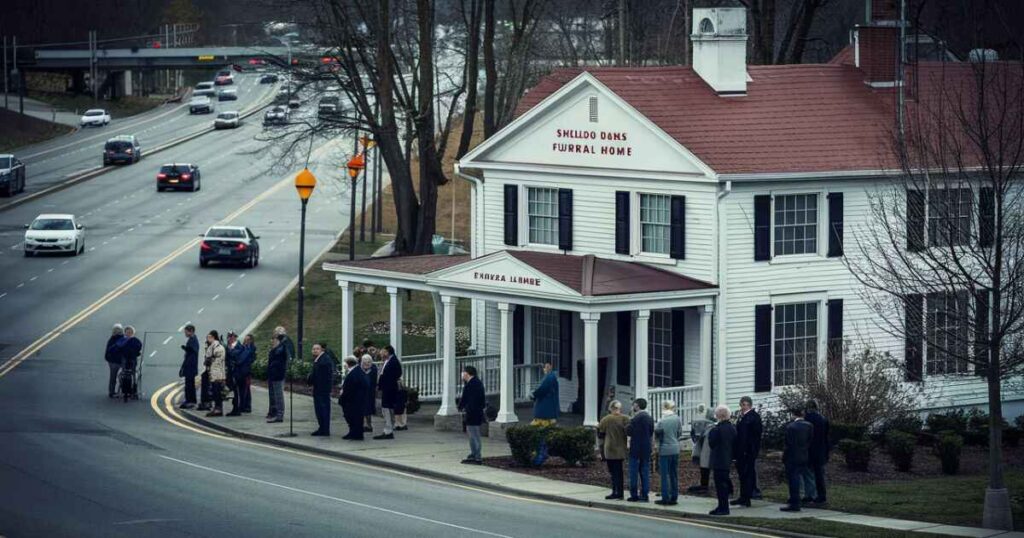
(425, 373)
(526, 378)
(686, 399)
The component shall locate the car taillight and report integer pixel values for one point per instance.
(241, 246)
(161, 176)
(204, 246)
(186, 176)
(128, 151)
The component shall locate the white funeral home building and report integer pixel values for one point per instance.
(669, 232)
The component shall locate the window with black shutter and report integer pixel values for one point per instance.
(622, 222)
(915, 220)
(982, 311)
(986, 217)
(565, 219)
(762, 348)
(677, 239)
(913, 339)
(624, 348)
(835, 337)
(762, 227)
(835, 224)
(678, 355)
(512, 215)
(518, 327)
(565, 361)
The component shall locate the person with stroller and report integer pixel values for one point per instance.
(113, 359)
(128, 348)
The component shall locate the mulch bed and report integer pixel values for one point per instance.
(973, 461)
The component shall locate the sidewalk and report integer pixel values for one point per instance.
(41, 110)
(422, 450)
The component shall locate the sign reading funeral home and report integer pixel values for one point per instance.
(501, 271)
(591, 142)
(511, 278)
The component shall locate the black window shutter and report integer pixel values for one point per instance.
(565, 358)
(835, 224)
(624, 349)
(565, 219)
(762, 348)
(915, 220)
(762, 225)
(621, 222)
(678, 355)
(982, 308)
(835, 337)
(913, 345)
(986, 216)
(512, 215)
(677, 221)
(518, 321)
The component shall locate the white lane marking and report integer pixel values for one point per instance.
(33, 278)
(132, 229)
(65, 262)
(16, 245)
(229, 286)
(336, 499)
(272, 247)
(182, 328)
(153, 353)
(241, 276)
(104, 243)
(143, 521)
(282, 240)
(215, 297)
(168, 339)
(50, 270)
(2, 295)
(92, 249)
(20, 285)
(200, 311)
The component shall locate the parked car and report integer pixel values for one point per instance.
(229, 94)
(12, 175)
(54, 233)
(96, 117)
(328, 106)
(224, 78)
(277, 115)
(204, 88)
(269, 78)
(177, 176)
(227, 120)
(122, 148)
(199, 105)
(294, 102)
(229, 244)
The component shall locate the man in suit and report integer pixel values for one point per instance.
(819, 455)
(322, 379)
(721, 440)
(748, 447)
(796, 455)
(354, 390)
(545, 398)
(472, 405)
(640, 431)
(281, 352)
(387, 380)
(190, 365)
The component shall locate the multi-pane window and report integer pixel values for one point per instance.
(946, 325)
(655, 220)
(542, 210)
(660, 336)
(949, 217)
(546, 336)
(796, 343)
(796, 224)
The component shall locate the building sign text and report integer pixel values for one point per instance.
(588, 142)
(511, 279)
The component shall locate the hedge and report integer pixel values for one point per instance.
(900, 447)
(857, 453)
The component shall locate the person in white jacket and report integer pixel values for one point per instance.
(218, 372)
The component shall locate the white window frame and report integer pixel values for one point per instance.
(639, 226)
(821, 226)
(636, 251)
(555, 357)
(972, 224)
(926, 355)
(524, 218)
(821, 299)
(652, 329)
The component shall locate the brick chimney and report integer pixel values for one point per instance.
(877, 43)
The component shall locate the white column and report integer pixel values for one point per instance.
(396, 320)
(438, 326)
(528, 346)
(506, 407)
(348, 305)
(706, 313)
(641, 319)
(448, 370)
(590, 321)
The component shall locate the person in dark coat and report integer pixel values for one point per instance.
(232, 351)
(796, 456)
(387, 381)
(128, 348)
(370, 372)
(113, 358)
(354, 396)
(281, 353)
(243, 359)
(545, 398)
(640, 431)
(190, 366)
(322, 379)
(819, 454)
(472, 405)
(748, 447)
(721, 441)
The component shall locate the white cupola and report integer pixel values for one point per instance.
(720, 48)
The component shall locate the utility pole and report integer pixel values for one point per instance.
(18, 76)
(362, 213)
(93, 72)
(5, 73)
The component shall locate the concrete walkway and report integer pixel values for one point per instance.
(41, 110)
(422, 450)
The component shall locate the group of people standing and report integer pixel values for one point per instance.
(226, 366)
(634, 438)
(362, 382)
(122, 352)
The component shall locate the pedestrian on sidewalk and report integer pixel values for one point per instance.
(322, 379)
(668, 430)
(612, 432)
(640, 431)
(353, 399)
(215, 356)
(113, 359)
(721, 441)
(401, 398)
(370, 373)
(472, 406)
(796, 456)
(748, 448)
(232, 348)
(390, 372)
(205, 391)
(190, 366)
(545, 398)
(702, 423)
(814, 477)
(281, 352)
(241, 402)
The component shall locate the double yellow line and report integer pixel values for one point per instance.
(84, 314)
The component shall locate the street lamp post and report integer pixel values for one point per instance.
(305, 182)
(355, 165)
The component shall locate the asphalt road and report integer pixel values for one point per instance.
(75, 463)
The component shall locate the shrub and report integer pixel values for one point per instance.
(951, 421)
(1011, 437)
(523, 441)
(910, 424)
(773, 429)
(978, 428)
(948, 448)
(900, 447)
(857, 453)
(840, 431)
(574, 445)
(1019, 421)
(412, 400)
(259, 368)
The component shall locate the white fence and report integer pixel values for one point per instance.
(425, 372)
(686, 399)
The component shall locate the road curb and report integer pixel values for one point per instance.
(284, 443)
(96, 172)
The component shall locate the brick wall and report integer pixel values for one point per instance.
(878, 52)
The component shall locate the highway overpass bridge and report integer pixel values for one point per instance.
(147, 58)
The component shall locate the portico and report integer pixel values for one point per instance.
(603, 324)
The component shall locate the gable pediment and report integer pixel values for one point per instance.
(501, 271)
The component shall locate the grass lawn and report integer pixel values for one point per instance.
(953, 500)
(17, 130)
(817, 527)
(119, 108)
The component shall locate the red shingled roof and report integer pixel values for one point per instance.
(412, 265)
(593, 276)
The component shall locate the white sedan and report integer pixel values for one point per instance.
(54, 233)
(96, 117)
(226, 120)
